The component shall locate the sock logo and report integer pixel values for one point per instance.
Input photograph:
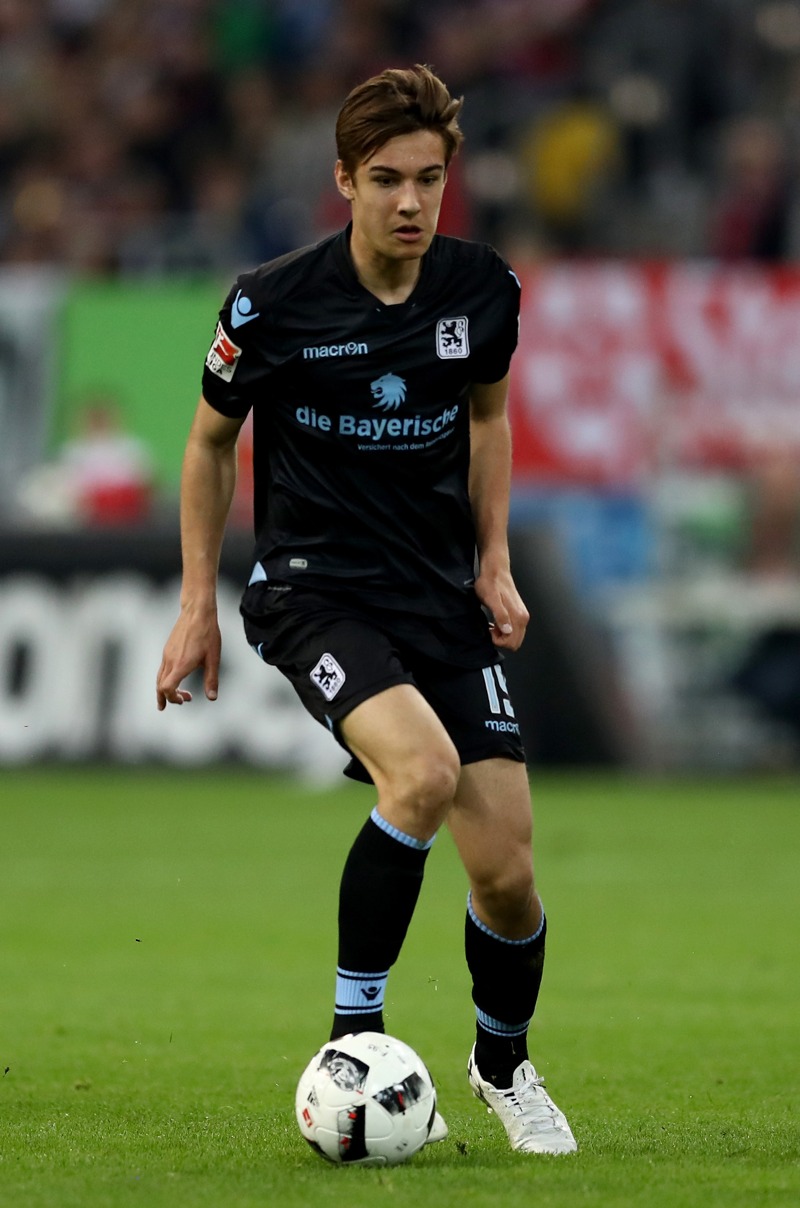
(359, 993)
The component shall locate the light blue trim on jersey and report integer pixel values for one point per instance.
(501, 938)
(497, 1027)
(259, 575)
(400, 836)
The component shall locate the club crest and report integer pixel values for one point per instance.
(452, 338)
(328, 676)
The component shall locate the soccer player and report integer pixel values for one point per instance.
(375, 364)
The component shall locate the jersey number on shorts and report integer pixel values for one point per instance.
(497, 691)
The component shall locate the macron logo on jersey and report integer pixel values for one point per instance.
(318, 352)
(240, 311)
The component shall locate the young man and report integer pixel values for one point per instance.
(376, 367)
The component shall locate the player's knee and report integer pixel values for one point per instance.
(506, 894)
(424, 788)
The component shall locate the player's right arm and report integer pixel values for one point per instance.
(207, 483)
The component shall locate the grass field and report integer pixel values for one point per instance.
(166, 969)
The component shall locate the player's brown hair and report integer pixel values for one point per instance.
(398, 101)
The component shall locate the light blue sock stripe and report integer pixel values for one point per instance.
(359, 993)
(400, 836)
(498, 1028)
(340, 972)
(501, 939)
(348, 1009)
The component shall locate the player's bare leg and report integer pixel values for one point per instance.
(408, 753)
(492, 826)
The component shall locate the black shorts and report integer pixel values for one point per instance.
(337, 654)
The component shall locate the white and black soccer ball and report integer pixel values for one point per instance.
(367, 1100)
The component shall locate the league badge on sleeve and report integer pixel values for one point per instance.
(452, 338)
(223, 355)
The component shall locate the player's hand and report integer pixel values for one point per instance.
(195, 642)
(496, 591)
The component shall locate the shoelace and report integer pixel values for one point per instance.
(531, 1106)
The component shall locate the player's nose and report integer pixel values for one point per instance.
(408, 201)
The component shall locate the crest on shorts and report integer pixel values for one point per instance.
(452, 338)
(328, 676)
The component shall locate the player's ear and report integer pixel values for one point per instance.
(344, 181)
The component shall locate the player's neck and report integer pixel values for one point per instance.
(391, 281)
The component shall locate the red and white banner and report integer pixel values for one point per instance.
(623, 368)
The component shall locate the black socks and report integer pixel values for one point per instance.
(506, 976)
(380, 885)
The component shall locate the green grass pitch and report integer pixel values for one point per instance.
(167, 949)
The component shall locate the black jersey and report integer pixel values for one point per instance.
(361, 415)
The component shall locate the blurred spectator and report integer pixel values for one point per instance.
(211, 238)
(769, 672)
(103, 476)
(567, 160)
(666, 70)
(752, 211)
(298, 159)
(662, 63)
(774, 547)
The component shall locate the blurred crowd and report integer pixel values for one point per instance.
(143, 137)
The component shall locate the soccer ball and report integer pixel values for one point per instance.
(366, 1100)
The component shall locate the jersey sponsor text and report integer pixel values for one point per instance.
(377, 428)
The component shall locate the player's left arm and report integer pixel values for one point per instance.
(490, 490)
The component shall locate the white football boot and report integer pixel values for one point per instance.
(439, 1130)
(530, 1117)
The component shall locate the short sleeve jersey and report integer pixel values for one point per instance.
(361, 415)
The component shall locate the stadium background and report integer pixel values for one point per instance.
(636, 160)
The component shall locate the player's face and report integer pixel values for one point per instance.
(396, 195)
